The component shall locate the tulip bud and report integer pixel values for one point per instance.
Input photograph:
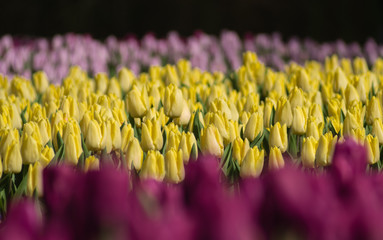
(151, 136)
(340, 80)
(351, 122)
(360, 65)
(70, 106)
(45, 130)
(173, 101)
(299, 121)
(171, 76)
(186, 145)
(72, 141)
(173, 139)
(254, 126)
(134, 155)
(374, 110)
(372, 145)
(316, 111)
(91, 163)
(101, 82)
(47, 154)
(276, 159)
(93, 136)
(303, 80)
(15, 117)
(325, 150)
(115, 134)
(114, 87)
(40, 81)
(314, 128)
(127, 135)
(252, 164)
(309, 148)
(174, 166)
(211, 141)
(12, 161)
(240, 148)
(185, 115)
(153, 166)
(377, 130)
(351, 94)
(283, 113)
(296, 98)
(30, 151)
(278, 136)
(269, 105)
(34, 179)
(137, 103)
(125, 77)
(358, 135)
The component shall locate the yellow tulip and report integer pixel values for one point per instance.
(372, 145)
(377, 130)
(134, 155)
(309, 148)
(127, 135)
(351, 94)
(211, 141)
(303, 80)
(91, 163)
(93, 136)
(340, 80)
(314, 128)
(72, 141)
(374, 110)
(240, 148)
(299, 121)
(325, 150)
(151, 136)
(186, 145)
(153, 166)
(283, 114)
(316, 111)
(12, 160)
(268, 109)
(278, 137)
(125, 77)
(47, 154)
(34, 179)
(173, 101)
(45, 130)
(254, 126)
(30, 150)
(137, 103)
(101, 82)
(351, 122)
(252, 163)
(276, 159)
(173, 140)
(114, 87)
(174, 166)
(296, 98)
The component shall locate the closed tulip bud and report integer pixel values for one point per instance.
(171, 76)
(40, 81)
(15, 117)
(106, 132)
(254, 126)
(220, 105)
(47, 154)
(125, 77)
(303, 80)
(101, 82)
(186, 145)
(134, 155)
(151, 136)
(127, 135)
(137, 102)
(278, 136)
(351, 94)
(372, 145)
(358, 135)
(314, 128)
(12, 160)
(185, 115)
(72, 141)
(316, 111)
(153, 166)
(45, 130)
(91, 163)
(34, 179)
(93, 136)
(377, 130)
(173, 101)
(114, 88)
(30, 151)
(309, 148)
(374, 110)
(296, 98)
(325, 150)
(268, 109)
(340, 80)
(174, 166)
(283, 113)
(276, 159)
(351, 122)
(299, 121)
(115, 134)
(360, 65)
(211, 141)
(249, 57)
(240, 148)
(173, 140)
(222, 124)
(252, 163)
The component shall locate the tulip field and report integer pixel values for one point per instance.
(203, 137)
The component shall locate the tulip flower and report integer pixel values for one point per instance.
(173, 101)
(372, 145)
(296, 98)
(377, 130)
(40, 81)
(94, 136)
(278, 136)
(252, 163)
(72, 141)
(240, 148)
(174, 166)
(151, 136)
(101, 82)
(12, 160)
(34, 179)
(134, 155)
(283, 113)
(47, 154)
(125, 78)
(127, 135)
(374, 110)
(186, 145)
(314, 128)
(340, 80)
(309, 148)
(45, 131)
(326, 145)
(137, 103)
(254, 126)
(91, 163)
(30, 149)
(351, 94)
(153, 166)
(211, 141)
(275, 158)
(299, 121)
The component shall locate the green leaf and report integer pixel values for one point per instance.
(22, 115)
(272, 116)
(60, 141)
(193, 152)
(84, 148)
(342, 116)
(258, 140)
(165, 140)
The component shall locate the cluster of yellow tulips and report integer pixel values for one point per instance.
(156, 121)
